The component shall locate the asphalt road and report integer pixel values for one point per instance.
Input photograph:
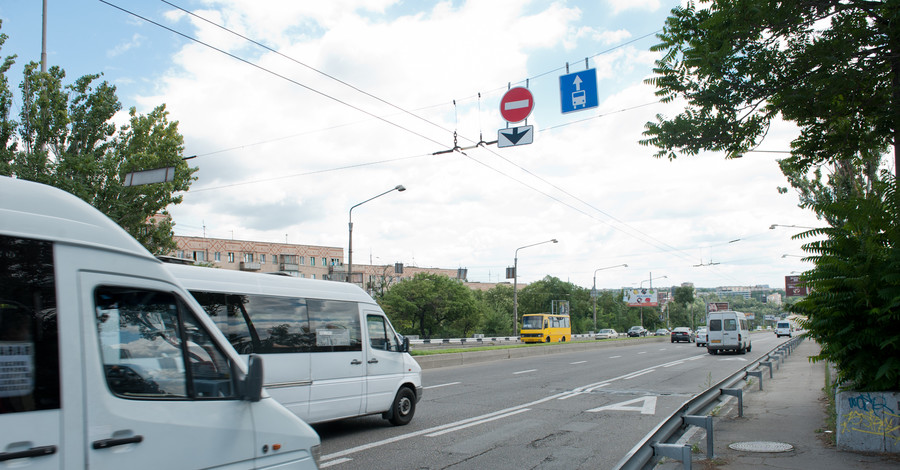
(583, 409)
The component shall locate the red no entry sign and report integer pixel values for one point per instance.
(516, 104)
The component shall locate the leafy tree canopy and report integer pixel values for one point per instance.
(66, 136)
(431, 305)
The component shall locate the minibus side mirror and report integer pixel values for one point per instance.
(253, 382)
(404, 346)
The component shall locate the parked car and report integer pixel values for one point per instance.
(700, 337)
(682, 333)
(661, 332)
(607, 333)
(635, 331)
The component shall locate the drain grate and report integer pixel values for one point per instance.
(761, 446)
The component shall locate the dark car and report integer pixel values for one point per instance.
(682, 333)
(637, 331)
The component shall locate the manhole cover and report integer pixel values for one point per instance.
(761, 446)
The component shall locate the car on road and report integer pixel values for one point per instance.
(682, 333)
(636, 331)
(700, 337)
(661, 332)
(783, 328)
(606, 333)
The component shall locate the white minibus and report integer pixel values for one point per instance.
(330, 351)
(106, 362)
(727, 330)
(783, 328)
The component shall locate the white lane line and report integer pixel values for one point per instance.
(638, 374)
(524, 371)
(334, 462)
(579, 362)
(614, 357)
(445, 431)
(643, 352)
(442, 385)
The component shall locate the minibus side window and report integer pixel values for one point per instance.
(29, 343)
(381, 336)
(152, 347)
(259, 324)
(334, 325)
(730, 324)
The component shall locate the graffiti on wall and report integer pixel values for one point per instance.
(871, 414)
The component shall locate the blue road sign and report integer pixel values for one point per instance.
(578, 91)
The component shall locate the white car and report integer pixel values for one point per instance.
(606, 333)
(701, 337)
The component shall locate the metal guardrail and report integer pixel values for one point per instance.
(657, 443)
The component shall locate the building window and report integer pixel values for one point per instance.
(231, 257)
(199, 256)
(248, 257)
(335, 262)
(274, 259)
(217, 256)
(180, 254)
(302, 259)
(312, 260)
(262, 258)
(313, 276)
(324, 261)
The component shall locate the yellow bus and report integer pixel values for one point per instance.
(545, 328)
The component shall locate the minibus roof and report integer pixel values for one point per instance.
(37, 211)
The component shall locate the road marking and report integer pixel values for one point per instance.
(524, 371)
(442, 385)
(648, 406)
(445, 431)
(642, 352)
(579, 362)
(614, 357)
(638, 374)
(334, 462)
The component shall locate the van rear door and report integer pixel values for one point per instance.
(158, 387)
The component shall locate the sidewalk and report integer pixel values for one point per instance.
(791, 410)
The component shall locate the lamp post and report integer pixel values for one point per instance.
(594, 289)
(651, 286)
(516, 279)
(399, 188)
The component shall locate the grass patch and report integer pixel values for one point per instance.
(449, 350)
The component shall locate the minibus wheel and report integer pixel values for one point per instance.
(548, 339)
(404, 407)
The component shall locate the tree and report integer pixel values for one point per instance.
(496, 309)
(66, 137)
(431, 305)
(684, 296)
(832, 68)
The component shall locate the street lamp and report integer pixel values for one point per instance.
(516, 279)
(594, 289)
(399, 188)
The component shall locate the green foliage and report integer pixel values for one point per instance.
(827, 66)
(66, 137)
(853, 309)
(538, 297)
(431, 305)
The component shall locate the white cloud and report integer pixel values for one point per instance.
(619, 6)
(135, 42)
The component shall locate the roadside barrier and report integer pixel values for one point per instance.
(659, 442)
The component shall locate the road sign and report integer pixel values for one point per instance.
(516, 104)
(578, 91)
(522, 135)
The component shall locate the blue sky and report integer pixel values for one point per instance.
(284, 151)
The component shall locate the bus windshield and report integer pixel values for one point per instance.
(532, 322)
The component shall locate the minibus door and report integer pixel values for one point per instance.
(384, 363)
(140, 404)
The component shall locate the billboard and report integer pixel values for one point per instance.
(792, 287)
(716, 306)
(642, 297)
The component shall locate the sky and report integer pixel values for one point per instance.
(299, 110)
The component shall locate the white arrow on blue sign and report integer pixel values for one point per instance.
(578, 91)
(521, 135)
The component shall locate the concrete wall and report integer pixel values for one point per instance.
(868, 421)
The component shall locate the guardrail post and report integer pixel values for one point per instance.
(775, 356)
(674, 451)
(756, 373)
(769, 365)
(736, 392)
(707, 423)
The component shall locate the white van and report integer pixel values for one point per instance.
(727, 330)
(783, 328)
(330, 351)
(107, 363)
